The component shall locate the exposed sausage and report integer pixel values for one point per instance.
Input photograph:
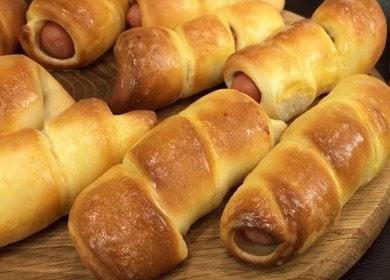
(243, 83)
(258, 238)
(134, 17)
(56, 42)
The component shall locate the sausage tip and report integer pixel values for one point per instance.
(56, 42)
(257, 237)
(134, 17)
(244, 84)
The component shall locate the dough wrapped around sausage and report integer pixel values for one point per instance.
(42, 172)
(129, 223)
(72, 33)
(292, 69)
(157, 66)
(298, 190)
(12, 17)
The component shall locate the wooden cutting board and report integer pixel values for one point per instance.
(50, 254)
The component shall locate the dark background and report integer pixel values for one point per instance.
(375, 264)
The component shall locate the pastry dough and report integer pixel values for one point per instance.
(292, 69)
(298, 190)
(41, 172)
(128, 224)
(157, 66)
(29, 95)
(171, 13)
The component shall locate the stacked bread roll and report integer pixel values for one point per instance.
(157, 66)
(29, 95)
(12, 13)
(300, 187)
(289, 71)
(129, 223)
(171, 13)
(72, 33)
(42, 172)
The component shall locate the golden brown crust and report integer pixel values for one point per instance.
(209, 42)
(178, 172)
(311, 56)
(178, 163)
(43, 172)
(92, 26)
(30, 188)
(171, 13)
(342, 139)
(168, 14)
(305, 51)
(158, 66)
(135, 241)
(358, 29)
(299, 188)
(315, 52)
(87, 140)
(252, 22)
(264, 65)
(149, 67)
(305, 191)
(12, 17)
(290, 196)
(374, 106)
(185, 153)
(28, 94)
(230, 121)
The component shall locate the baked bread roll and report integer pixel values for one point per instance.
(298, 190)
(29, 95)
(171, 13)
(290, 70)
(129, 223)
(72, 33)
(157, 66)
(41, 172)
(12, 17)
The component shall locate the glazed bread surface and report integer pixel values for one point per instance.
(158, 66)
(298, 190)
(308, 59)
(29, 95)
(129, 223)
(358, 29)
(42, 172)
(171, 13)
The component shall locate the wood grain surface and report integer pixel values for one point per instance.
(50, 254)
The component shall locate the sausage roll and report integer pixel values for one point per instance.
(290, 70)
(129, 223)
(298, 190)
(72, 33)
(157, 66)
(42, 172)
